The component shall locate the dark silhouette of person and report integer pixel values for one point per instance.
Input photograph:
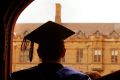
(112, 76)
(50, 38)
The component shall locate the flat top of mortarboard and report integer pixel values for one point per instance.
(49, 31)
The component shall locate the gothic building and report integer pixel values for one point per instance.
(90, 49)
(94, 47)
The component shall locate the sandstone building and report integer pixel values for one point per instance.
(94, 47)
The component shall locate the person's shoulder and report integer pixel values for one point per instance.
(22, 74)
(72, 74)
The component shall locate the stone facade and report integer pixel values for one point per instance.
(91, 51)
(94, 47)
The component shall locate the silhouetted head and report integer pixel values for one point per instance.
(50, 37)
(51, 50)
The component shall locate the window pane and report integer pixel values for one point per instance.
(79, 55)
(97, 55)
(114, 55)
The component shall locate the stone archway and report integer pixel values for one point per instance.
(9, 12)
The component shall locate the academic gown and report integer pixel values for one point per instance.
(47, 71)
(41, 72)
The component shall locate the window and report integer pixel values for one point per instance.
(24, 57)
(80, 34)
(97, 55)
(114, 34)
(97, 34)
(15, 48)
(114, 56)
(79, 55)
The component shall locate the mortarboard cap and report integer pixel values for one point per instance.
(50, 31)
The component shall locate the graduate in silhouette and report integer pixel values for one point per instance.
(50, 38)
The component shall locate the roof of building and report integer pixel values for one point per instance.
(87, 28)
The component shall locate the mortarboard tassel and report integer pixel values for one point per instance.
(24, 45)
(31, 51)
